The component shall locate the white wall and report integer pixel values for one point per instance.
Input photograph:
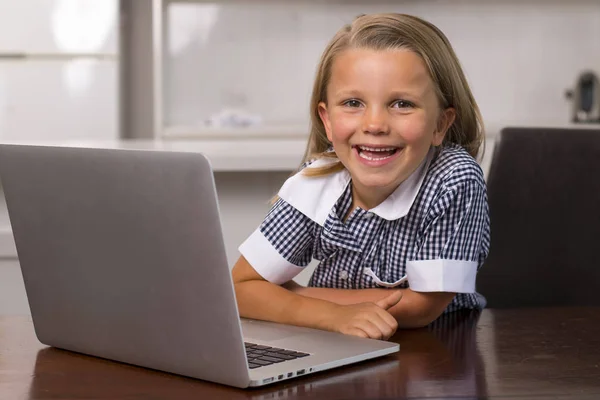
(519, 56)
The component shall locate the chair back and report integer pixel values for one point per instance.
(544, 199)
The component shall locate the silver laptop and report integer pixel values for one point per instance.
(123, 258)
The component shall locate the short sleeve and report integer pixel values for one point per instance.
(282, 245)
(454, 241)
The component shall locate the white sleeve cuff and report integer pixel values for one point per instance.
(442, 275)
(263, 257)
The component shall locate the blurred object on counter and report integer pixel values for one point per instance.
(585, 98)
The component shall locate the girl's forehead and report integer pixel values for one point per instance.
(400, 67)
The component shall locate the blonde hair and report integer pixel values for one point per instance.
(390, 32)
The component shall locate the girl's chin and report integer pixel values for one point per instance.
(377, 183)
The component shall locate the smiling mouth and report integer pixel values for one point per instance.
(376, 153)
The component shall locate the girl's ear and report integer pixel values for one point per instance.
(324, 114)
(445, 121)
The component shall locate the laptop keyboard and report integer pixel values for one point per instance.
(260, 356)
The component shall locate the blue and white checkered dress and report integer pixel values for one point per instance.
(433, 228)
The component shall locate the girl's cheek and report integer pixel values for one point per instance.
(413, 130)
(344, 127)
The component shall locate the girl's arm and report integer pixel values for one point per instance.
(416, 310)
(260, 299)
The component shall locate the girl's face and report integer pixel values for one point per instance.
(382, 115)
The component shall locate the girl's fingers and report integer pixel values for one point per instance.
(388, 318)
(370, 328)
(357, 332)
(385, 327)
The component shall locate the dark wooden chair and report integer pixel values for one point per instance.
(544, 198)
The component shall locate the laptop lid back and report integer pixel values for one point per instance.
(122, 257)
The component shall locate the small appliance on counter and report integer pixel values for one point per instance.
(585, 98)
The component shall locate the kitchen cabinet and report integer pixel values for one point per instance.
(57, 100)
(58, 26)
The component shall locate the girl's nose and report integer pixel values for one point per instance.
(375, 122)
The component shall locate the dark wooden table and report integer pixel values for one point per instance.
(539, 354)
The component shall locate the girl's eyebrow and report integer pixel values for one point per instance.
(416, 93)
(348, 93)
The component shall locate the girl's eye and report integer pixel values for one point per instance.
(352, 103)
(402, 104)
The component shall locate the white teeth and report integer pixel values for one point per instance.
(372, 150)
(365, 148)
(366, 157)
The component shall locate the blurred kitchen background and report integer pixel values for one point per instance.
(232, 79)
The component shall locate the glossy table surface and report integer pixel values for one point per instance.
(551, 353)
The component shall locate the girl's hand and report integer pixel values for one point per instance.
(368, 320)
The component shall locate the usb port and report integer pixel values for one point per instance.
(280, 376)
(300, 372)
(290, 374)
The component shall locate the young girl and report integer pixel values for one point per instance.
(389, 198)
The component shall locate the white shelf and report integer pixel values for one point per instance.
(278, 132)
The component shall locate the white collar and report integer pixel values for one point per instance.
(316, 196)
